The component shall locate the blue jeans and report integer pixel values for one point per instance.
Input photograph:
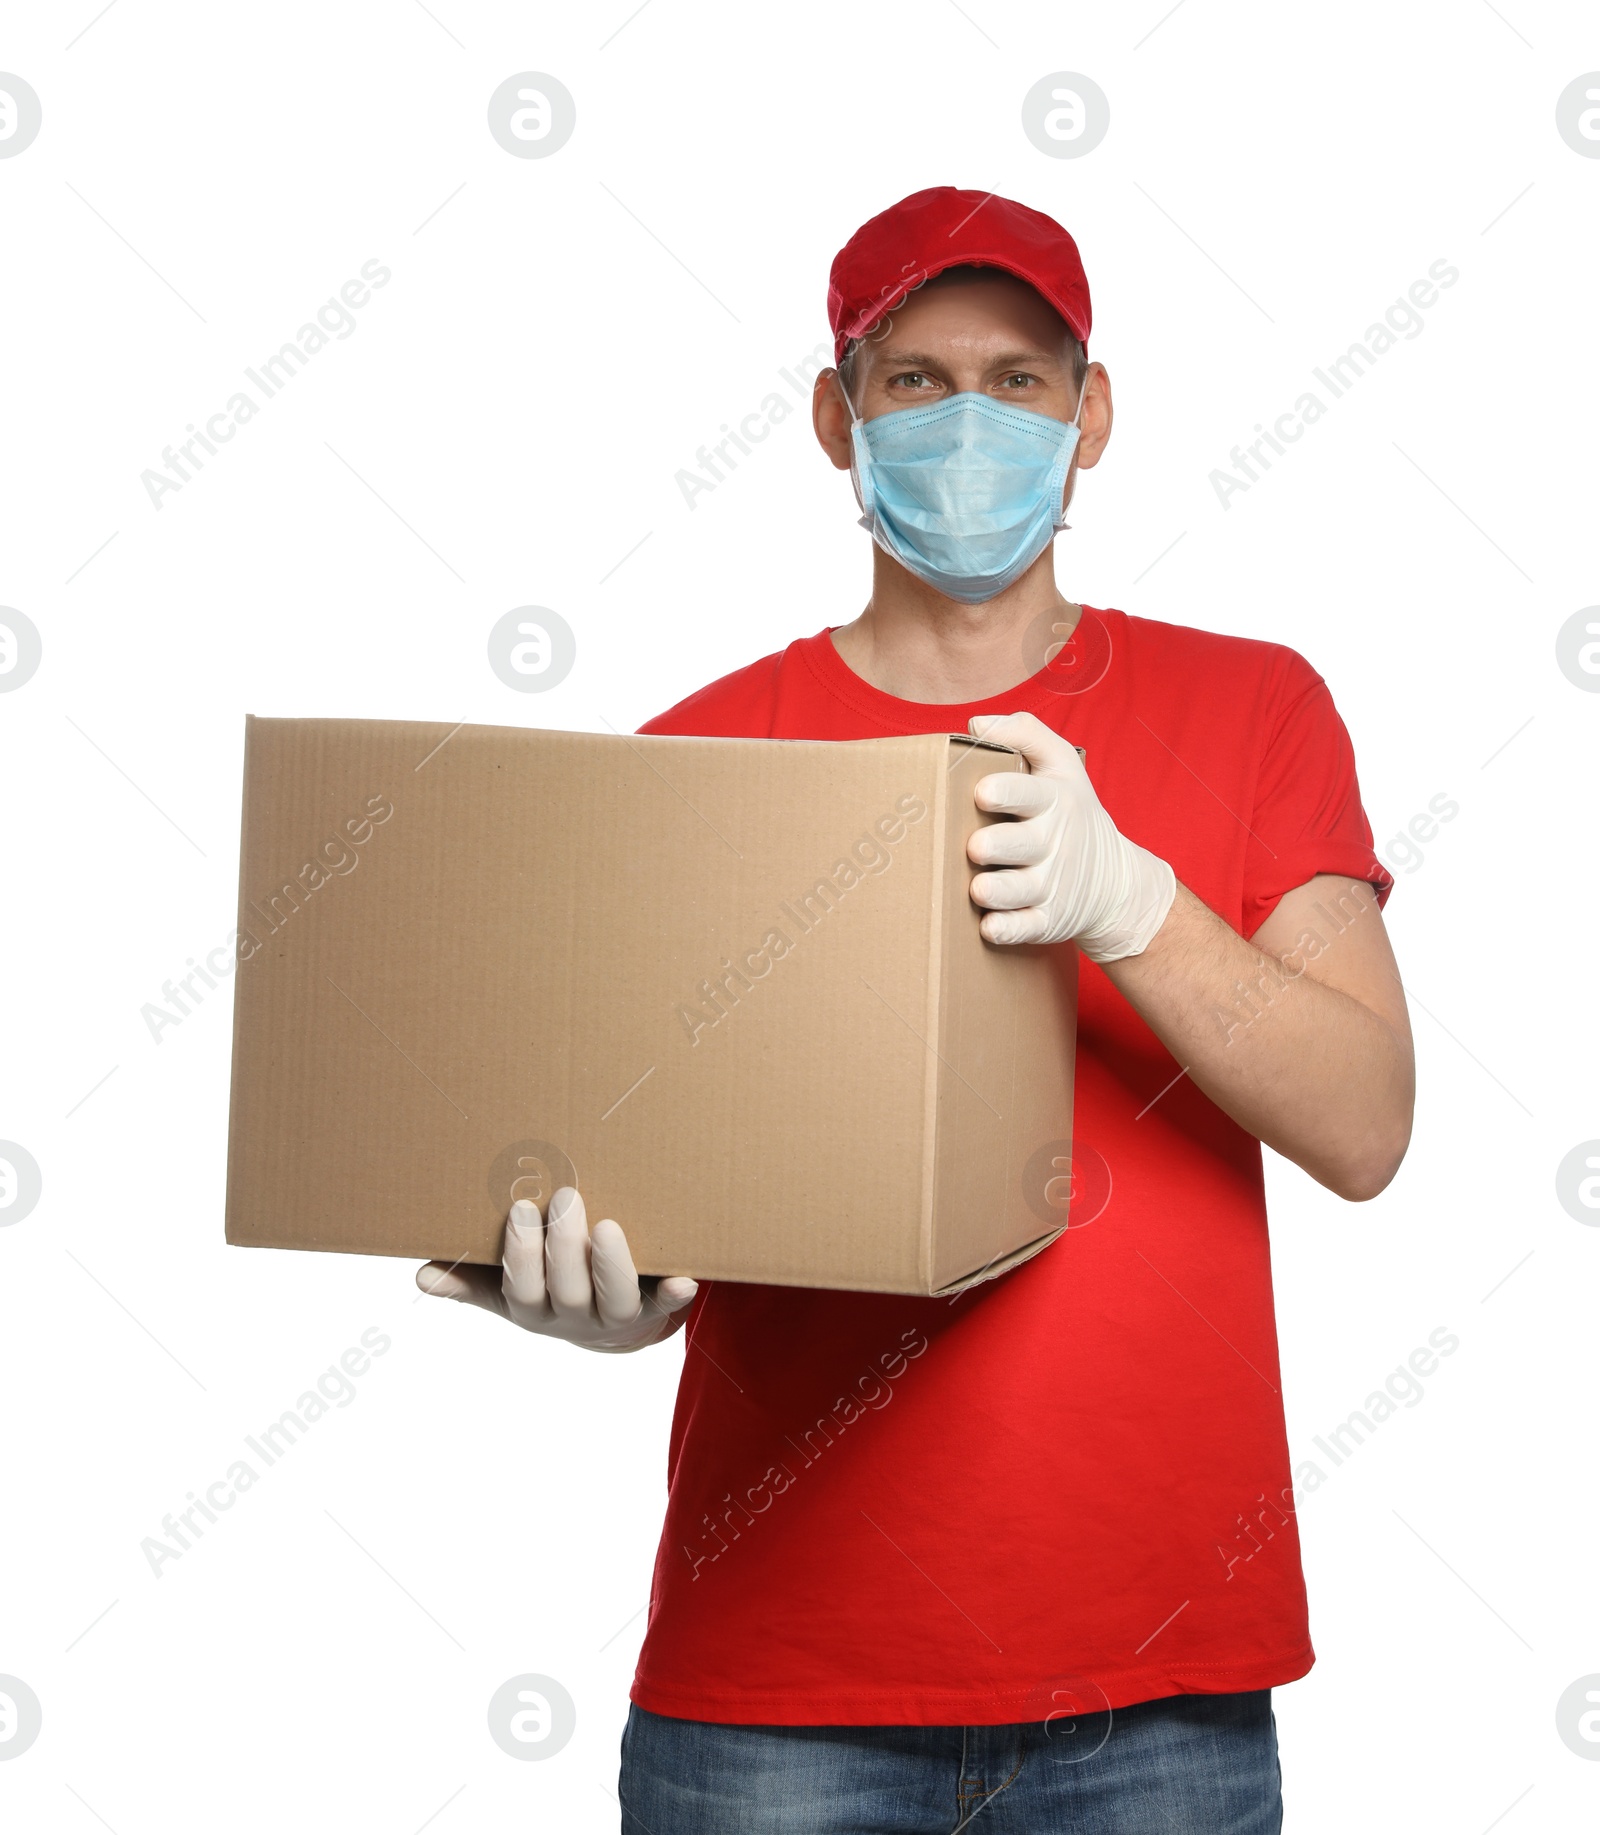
(1184, 1765)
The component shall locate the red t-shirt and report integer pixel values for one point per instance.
(1068, 1488)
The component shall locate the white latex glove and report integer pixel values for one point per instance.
(564, 1280)
(1065, 870)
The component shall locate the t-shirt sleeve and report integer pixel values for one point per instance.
(1307, 817)
(737, 706)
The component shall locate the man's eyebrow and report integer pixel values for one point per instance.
(913, 359)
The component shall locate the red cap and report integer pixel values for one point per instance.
(943, 228)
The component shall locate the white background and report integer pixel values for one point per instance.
(503, 428)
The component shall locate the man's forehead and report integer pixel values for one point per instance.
(924, 356)
(985, 311)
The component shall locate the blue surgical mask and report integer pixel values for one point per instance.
(967, 494)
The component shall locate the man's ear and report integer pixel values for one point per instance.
(831, 419)
(1095, 420)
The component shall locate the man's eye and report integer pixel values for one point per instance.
(913, 379)
(1020, 380)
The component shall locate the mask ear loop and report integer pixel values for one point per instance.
(839, 374)
(860, 474)
(1076, 421)
(1083, 392)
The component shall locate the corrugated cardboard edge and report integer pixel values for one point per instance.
(941, 865)
(930, 1009)
(926, 1252)
(235, 1075)
(1002, 1264)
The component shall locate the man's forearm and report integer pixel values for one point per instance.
(1276, 1043)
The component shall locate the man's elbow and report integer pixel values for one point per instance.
(1360, 1184)
(1364, 1174)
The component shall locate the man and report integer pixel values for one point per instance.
(1031, 1553)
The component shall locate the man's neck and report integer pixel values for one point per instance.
(914, 643)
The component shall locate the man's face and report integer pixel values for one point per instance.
(984, 333)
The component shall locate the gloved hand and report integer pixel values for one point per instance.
(1064, 870)
(564, 1280)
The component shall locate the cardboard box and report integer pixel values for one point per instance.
(734, 990)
